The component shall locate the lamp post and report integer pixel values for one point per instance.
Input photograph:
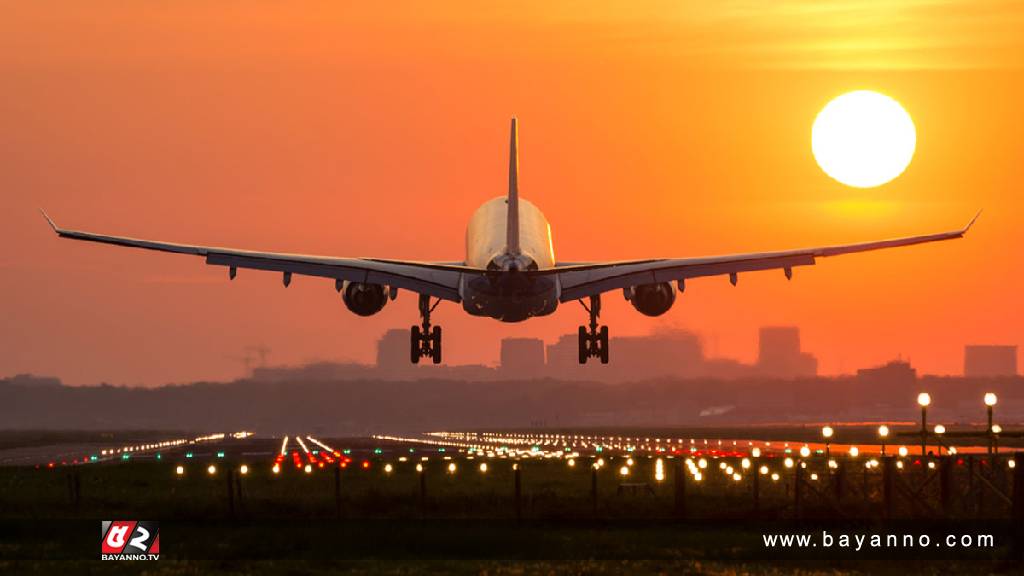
(826, 433)
(883, 433)
(923, 400)
(939, 431)
(990, 402)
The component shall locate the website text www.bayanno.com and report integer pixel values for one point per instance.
(878, 541)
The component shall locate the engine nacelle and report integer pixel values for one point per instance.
(364, 299)
(652, 299)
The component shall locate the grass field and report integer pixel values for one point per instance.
(375, 521)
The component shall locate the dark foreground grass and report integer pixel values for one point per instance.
(293, 523)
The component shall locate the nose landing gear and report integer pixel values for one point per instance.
(425, 341)
(593, 339)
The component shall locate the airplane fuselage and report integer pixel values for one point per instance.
(506, 293)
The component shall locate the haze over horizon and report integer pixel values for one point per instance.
(325, 128)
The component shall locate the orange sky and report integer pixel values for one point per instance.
(678, 130)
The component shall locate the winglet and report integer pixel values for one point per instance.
(49, 221)
(971, 223)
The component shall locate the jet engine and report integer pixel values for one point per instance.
(364, 299)
(652, 299)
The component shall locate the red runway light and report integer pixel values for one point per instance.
(366, 464)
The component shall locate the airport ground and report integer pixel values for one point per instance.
(462, 511)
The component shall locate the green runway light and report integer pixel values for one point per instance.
(124, 456)
(188, 454)
(220, 454)
(600, 449)
(440, 449)
(378, 451)
(347, 450)
(158, 456)
(315, 452)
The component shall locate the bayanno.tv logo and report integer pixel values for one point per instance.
(130, 540)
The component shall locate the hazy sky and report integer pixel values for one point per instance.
(676, 129)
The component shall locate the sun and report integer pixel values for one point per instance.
(863, 139)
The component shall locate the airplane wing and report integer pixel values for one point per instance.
(437, 280)
(583, 280)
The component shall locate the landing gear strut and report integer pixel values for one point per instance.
(593, 340)
(425, 341)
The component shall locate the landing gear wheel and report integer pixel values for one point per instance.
(424, 340)
(435, 344)
(415, 338)
(593, 340)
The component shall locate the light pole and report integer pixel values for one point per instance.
(994, 431)
(939, 431)
(923, 400)
(990, 402)
(827, 432)
(883, 433)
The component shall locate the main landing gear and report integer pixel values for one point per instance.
(425, 341)
(593, 341)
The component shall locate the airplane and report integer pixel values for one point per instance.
(509, 272)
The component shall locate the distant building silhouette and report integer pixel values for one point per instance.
(779, 354)
(897, 374)
(989, 361)
(393, 350)
(669, 353)
(522, 356)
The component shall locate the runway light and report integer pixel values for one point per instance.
(940, 429)
(624, 471)
(629, 462)
(243, 469)
(1011, 463)
(883, 431)
(722, 465)
(220, 454)
(805, 452)
(931, 465)
(600, 462)
(387, 468)
(702, 463)
(827, 432)
(775, 476)
(180, 470)
(211, 469)
(788, 462)
(698, 477)
(814, 476)
(903, 451)
(483, 467)
(899, 464)
(308, 469)
(996, 428)
(854, 451)
(756, 452)
(419, 467)
(571, 462)
(276, 469)
(451, 467)
(990, 399)
(745, 463)
(736, 476)
(924, 399)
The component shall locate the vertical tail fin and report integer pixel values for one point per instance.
(512, 224)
